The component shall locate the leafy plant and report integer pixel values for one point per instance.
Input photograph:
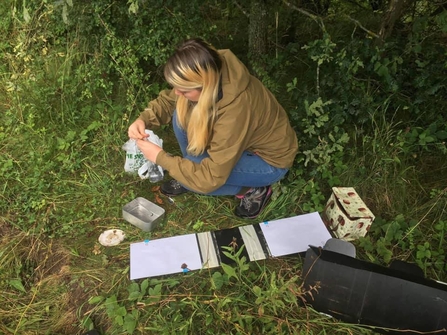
(74, 74)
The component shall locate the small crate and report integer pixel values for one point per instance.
(346, 215)
(143, 214)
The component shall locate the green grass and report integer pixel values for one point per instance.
(62, 124)
(57, 279)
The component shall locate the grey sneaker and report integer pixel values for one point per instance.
(253, 202)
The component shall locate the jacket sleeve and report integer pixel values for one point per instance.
(159, 110)
(231, 132)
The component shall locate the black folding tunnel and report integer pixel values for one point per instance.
(397, 298)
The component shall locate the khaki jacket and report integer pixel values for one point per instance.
(249, 118)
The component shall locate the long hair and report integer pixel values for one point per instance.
(196, 65)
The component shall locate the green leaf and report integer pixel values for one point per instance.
(65, 13)
(209, 319)
(172, 283)
(420, 254)
(441, 20)
(427, 139)
(119, 320)
(217, 280)
(144, 286)
(441, 226)
(135, 295)
(111, 304)
(130, 323)
(121, 311)
(230, 271)
(26, 15)
(134, 287)
(243, 265)
(133, 8)
(17, 284)
(382, 70)
(259, 300)
(95, 300)
(441, 134)
(257, 290)
(156, 290)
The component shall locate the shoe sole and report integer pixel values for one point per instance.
(171, 194)
(264, 203)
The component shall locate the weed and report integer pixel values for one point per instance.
(75, 74)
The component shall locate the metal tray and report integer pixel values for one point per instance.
(143, 214)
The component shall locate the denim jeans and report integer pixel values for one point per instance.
(250, 171)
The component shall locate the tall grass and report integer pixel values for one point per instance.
(64, 114)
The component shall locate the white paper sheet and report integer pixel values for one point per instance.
(164, 256)
(283, 237)
(295, 234)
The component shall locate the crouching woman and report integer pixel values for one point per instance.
(235, 138)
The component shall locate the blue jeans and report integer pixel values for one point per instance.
(250, 171)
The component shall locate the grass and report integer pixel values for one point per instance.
(61, 170)
(57, 279)
(48, 281)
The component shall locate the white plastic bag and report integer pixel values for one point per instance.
(137, 163)
(134, 157)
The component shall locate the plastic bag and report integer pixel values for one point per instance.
(134, 158)
(137, 163)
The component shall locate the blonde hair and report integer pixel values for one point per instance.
(196, 65)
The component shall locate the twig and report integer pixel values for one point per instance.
(238, 5)
(314, 17)
(358, 24)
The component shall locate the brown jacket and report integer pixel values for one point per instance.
(249, 118)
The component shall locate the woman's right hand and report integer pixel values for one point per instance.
(136, 130)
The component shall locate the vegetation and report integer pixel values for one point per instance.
(365, 86)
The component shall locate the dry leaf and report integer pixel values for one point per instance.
(96, 249)
(158, 200)
(155, 188)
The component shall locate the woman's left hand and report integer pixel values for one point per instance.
(149, 150)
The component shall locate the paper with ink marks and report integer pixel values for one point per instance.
(164, 256)
(181, 254)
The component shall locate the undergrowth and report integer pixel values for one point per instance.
(366, 117)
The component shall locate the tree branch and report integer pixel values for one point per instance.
(391, 16)
(358, 24)
(319, 20)
(242, 9)
(357, 4)
(314, 17)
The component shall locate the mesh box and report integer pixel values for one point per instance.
(346, 215)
